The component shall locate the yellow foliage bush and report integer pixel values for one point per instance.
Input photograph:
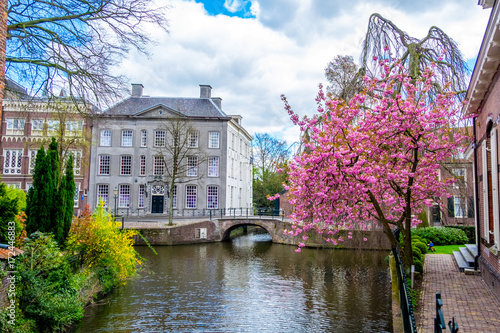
(106, 248)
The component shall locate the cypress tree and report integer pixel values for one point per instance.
(67, 190)
(55, 202)
(37, 203)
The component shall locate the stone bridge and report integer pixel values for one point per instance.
(217, 230)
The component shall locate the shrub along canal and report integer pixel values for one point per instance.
(249, 285)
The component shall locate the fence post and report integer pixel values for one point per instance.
(439, 320)
(453, 326)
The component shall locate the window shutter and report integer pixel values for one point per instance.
(451, 207)
(486, 214)
(494, 178)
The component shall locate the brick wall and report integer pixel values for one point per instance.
(490, 114)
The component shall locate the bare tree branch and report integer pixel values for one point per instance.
(76, 44)
(384, 39)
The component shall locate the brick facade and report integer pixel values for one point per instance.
(483, 98)
(29, 122)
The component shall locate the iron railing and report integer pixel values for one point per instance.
(247, 212)
(407, 313)
(439, 324)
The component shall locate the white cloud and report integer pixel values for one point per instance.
(250, 62)
(234, 6)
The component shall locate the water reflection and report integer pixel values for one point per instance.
(250, 285)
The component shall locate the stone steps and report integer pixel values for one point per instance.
(465, 257)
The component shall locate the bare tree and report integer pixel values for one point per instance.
(76, 44)
(269, 152)
(178, 156)
(345, 78)
(384, 38)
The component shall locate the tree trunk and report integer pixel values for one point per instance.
(407, 255)
(171, 203)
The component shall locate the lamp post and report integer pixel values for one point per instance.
(115, 192)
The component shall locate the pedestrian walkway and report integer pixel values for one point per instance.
(465, 297)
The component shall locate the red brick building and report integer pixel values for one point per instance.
(30, 122)
(459, 208)
(483, 98)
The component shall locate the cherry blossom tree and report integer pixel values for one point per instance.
(375, 159)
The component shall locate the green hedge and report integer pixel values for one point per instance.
(469, 231)
(441, 236)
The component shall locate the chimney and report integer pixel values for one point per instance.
(217, 101)
(205, 91)
(137, 89)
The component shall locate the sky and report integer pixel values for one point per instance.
(251, 52)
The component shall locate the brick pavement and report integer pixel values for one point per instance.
(465, 297)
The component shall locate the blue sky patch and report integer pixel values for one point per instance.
(238, 8)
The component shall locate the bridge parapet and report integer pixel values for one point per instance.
(219, 230)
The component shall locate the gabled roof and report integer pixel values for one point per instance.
(487, 63)
(190, 107)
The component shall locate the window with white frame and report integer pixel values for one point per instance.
(241, 170)
(76, 198)
(74, 127)
(77, 160)
(37, 127)
(13, 159)
(125, 165)
(144, 138)
(124, 196)
(174, 203)
(160, 138)
(192, 170)
(460, 177)
(193, 139)
(213, 139)
(142, 196)
(127, 136)
(142, 166)
(53, 125)
(105, 138)
(158, 165)
(191, 196)
(13, 185)
(460, 207)
(213, 166)
(32, 159)
(103, 194)
(15, 126)
(104, 161)
(212, 197)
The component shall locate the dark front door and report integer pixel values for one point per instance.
(157, 204)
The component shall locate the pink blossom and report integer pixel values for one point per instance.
(361, 156)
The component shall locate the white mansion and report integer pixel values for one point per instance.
(138, 143)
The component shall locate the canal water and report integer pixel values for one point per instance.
(249, 285)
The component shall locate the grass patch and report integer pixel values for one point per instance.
(445, 249)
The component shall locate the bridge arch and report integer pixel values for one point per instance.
(228, 225)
